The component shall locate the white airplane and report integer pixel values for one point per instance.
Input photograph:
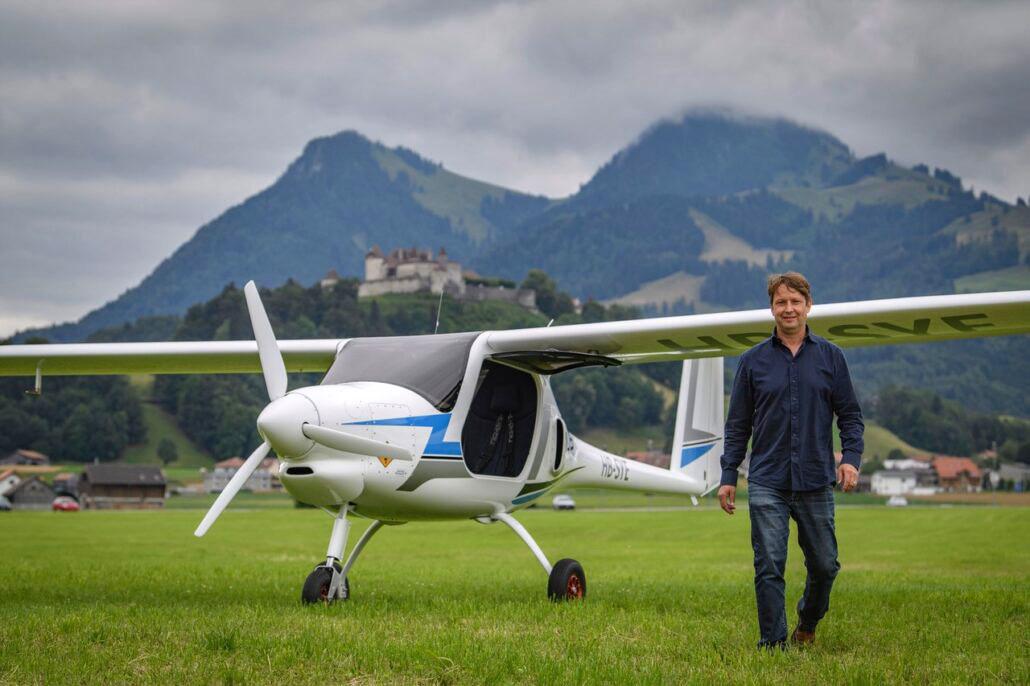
(465, 426)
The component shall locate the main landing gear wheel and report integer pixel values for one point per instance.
(567, 581)
(318, 586)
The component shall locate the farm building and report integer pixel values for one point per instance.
(957, 474)
(25, 457)
(118, 486)
(67, 483)
(31, 494)
(264, 477)
(8, 480)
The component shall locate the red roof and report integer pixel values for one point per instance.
(231, 463)
(6, 474)
(32, 455)
(954, 467)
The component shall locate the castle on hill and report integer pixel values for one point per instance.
(413, 270)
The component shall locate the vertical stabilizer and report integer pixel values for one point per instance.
(697, 443)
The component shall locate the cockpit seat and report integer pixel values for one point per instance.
(499, 429)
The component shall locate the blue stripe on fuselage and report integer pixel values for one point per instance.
(438, 427)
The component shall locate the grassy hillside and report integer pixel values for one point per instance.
(161, 425)
(1011, 279)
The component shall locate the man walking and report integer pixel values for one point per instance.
(785, 393)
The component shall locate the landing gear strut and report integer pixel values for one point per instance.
(328, 582)
(565, 580)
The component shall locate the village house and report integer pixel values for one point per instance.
(655, 458)
(25, 457)
(122, 486)
(893, 482)
(264, 478)
(67, 483)
(31, 494)
(1015, 476)
(920, 465)
(412, 270)
(8, 480)
(957, 474)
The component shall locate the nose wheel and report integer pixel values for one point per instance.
(566, 581)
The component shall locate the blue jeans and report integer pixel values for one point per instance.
(771, 510)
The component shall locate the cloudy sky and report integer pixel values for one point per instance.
(125, 126)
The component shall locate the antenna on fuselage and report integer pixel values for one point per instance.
(439, 308)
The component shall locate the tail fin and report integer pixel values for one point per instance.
(697, 443)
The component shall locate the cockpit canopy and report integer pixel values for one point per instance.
(432, 366)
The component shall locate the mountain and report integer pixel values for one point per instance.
(716, 154)
(343, 195)
(691, 215)
(766, 194)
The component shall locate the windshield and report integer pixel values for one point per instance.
(432, 366)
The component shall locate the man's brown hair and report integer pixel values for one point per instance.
(792, 280)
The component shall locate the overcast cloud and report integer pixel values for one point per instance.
(126, 126)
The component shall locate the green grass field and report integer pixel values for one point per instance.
(925, 595)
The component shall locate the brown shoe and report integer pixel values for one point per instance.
(802, 637)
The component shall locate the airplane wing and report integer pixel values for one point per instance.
(205, 357)
(870, 322)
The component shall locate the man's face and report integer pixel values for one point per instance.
(790, 310)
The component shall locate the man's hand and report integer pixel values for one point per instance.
(727, 494)
(847, 476)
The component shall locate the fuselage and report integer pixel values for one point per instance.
(450, 479)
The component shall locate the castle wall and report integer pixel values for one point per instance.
(409, 285)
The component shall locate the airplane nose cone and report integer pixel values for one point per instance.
(281, 422)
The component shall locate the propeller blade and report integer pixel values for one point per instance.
(272, 365)
(341, 440)
(232, 488)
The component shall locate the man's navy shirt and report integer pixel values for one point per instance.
(785, 405)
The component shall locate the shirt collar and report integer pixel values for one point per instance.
(777, 341)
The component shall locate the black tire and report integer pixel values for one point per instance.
(316, 587)
(567, 581)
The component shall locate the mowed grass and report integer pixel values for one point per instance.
(925, 595)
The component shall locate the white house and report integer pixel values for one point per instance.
(908, 463)
(8, 480)
(893, 482)
(264, 478)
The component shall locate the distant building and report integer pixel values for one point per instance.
(893, 482)
(330, 280)
(1016, 474)
(31, 494)
(26, 457)
(264, 478)
(926, 477)
(67, 483)
(8, 480)
(412, 270)
(122, 486)
(655, 458)
(957, 474)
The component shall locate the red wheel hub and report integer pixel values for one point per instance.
(574, 587)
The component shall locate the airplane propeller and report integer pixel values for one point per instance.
(286, 423)
(274, 370)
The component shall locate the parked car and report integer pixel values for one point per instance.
(897, 501)
(65, 503)
(563, 502)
